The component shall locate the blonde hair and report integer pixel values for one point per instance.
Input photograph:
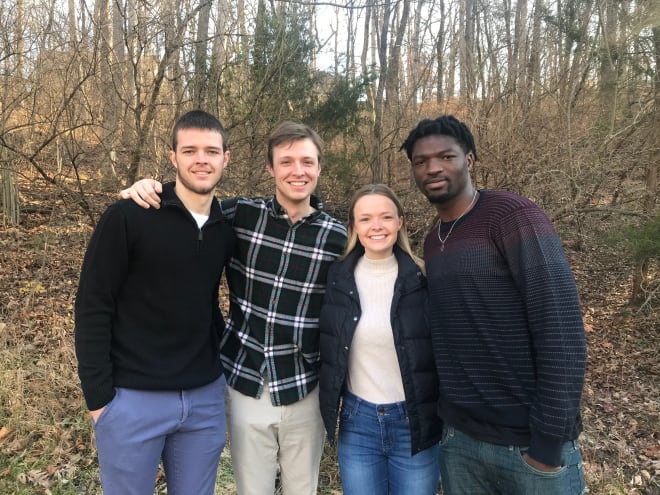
(402, 237)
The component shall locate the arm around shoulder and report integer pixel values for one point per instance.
(144, 192)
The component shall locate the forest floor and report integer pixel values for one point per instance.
(46, 445)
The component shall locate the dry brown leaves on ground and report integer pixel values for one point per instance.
(42, 418)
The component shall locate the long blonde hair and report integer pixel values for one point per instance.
(402, 237)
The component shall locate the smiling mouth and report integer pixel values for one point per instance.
(298, 184)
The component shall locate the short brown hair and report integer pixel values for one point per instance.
(287, 132)
(199, 119)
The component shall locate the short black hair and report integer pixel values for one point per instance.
(445, 125)
(199, 119)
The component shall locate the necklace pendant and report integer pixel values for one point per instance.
(453, 224)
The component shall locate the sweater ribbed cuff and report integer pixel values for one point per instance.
(545, 449)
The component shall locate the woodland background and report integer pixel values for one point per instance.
(563, 97)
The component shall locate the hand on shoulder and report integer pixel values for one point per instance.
(144, 192)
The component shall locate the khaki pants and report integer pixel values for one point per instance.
(263, 437)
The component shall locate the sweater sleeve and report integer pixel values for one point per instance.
(228, 208)
(103, 271)
(542, 273)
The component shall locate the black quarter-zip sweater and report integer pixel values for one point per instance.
(146, 312)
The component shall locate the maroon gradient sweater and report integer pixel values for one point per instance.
(507, 327)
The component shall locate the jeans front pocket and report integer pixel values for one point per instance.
(447, 435)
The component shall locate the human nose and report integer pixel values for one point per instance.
(298, 168)
(434, 166)
(202, 156)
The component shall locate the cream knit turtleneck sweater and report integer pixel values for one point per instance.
(373, 369)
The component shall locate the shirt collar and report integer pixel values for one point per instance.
(278, 210)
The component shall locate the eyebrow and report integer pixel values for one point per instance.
(434, 152)
(192, 147)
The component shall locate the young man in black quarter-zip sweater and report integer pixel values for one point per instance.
(148, 325)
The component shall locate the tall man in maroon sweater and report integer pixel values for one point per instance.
(148, 326)
(506, 326)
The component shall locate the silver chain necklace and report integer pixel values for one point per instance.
(442, 241)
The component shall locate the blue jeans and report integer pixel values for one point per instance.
(374, 451)
(473, 467)
(184, 427)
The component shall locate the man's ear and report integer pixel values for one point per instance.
(470, 160)
(269, 167)
(172, 154)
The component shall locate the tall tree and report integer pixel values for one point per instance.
(440, 42)
(383, 39)
(221, 40)
(466, 53)
(609, 60)
(534, 61)
(641, 270)
(200, 76)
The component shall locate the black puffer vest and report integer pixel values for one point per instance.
(339, 318)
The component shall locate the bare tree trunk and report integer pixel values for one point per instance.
(11, 206)
(494, 80)
(364, 62)
(71, 21)
(200, 79)
(467, 51)
(640, 273)
(116, 98)
(376, 158)
(103, 46)
(520, 50)
(608, 54)
(10, 200)
(350, 45)
(218, 57)
(534, 67)
(440, 54)
(392, 103)
(451, 71)
(18, 35)
(393, 79)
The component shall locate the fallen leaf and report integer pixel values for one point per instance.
(4, 433)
